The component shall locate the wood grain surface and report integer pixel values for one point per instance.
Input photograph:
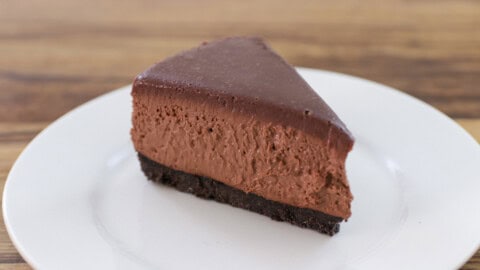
(55, 54)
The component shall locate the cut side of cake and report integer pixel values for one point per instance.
(231, 121)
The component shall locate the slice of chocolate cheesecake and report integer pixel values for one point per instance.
(231, 121)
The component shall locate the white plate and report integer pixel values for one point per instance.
(76, 198)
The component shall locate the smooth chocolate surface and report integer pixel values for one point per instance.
(246, 76)
(213, 190)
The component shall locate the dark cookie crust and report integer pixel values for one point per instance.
(207, 188)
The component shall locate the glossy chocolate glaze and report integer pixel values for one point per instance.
(245, 75)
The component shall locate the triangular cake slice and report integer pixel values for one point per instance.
(231, 121)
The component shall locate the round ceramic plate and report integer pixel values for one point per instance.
(76, 198)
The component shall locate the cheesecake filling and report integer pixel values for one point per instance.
(271, 160)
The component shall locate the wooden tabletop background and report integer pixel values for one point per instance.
(56, 54)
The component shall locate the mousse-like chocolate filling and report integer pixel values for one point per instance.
(272, 160)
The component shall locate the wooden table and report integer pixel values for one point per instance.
(55, 54)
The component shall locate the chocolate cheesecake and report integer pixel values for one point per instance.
(232, 121)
